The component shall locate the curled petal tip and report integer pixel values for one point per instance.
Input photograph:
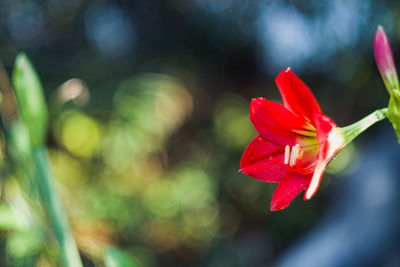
(308, 195)
(277, 207)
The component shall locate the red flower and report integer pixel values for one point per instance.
(296, 141)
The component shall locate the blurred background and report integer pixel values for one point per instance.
(149, 117)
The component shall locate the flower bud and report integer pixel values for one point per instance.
(384, 60)
(385, 63)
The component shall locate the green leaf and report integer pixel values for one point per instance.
(30, 99)
(117, 258)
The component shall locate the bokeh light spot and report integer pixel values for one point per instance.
(80, 134)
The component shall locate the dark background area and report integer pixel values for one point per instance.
(148, 160)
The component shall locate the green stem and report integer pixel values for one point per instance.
(353, 130)
(55, 209)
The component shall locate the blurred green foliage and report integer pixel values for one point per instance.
(120, 188)
(117, 258)
(145, 139)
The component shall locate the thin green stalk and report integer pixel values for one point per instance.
(55, 209)
(353, 130)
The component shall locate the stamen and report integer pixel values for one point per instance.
(287, 154)
(301, 154)
(300, 158)
(294, 155)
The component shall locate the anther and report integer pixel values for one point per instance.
(294, 155)
(287, 154)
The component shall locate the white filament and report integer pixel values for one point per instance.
(287, 154)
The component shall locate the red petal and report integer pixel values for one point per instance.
(296, 95)
(274, 122)
(288, 188)
(316, 178)
(259, 149)
(266, 171)
(255, 161)
(324, 126)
